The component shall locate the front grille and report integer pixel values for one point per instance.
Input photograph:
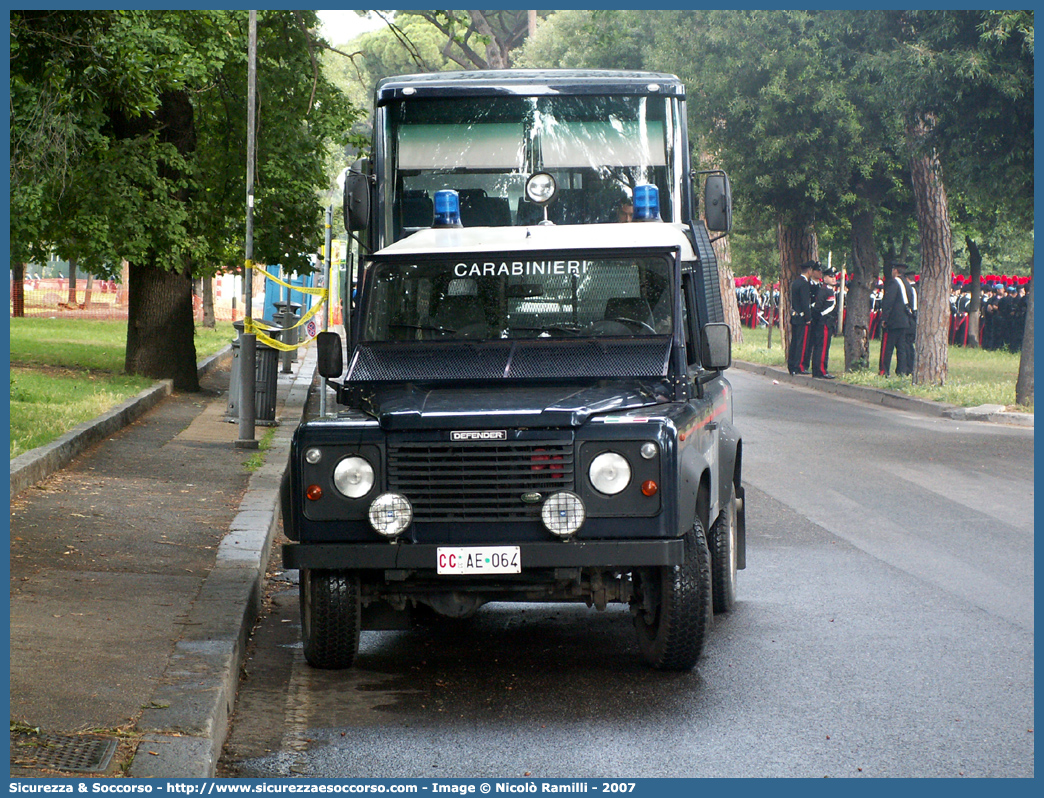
(479, 481)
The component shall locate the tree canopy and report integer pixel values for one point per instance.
(128, 143)
(824, 120)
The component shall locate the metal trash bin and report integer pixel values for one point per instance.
(266, 380)
(286, 316)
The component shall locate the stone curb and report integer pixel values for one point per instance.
(37, 464)
(893, 399)
(994, 413)
(186, 722)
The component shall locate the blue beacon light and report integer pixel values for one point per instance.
(646, 203)
(447, 209)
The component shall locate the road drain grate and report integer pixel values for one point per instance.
(76, 753)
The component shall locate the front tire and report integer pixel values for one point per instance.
(724, 550)
(330, 618)
(674, 607)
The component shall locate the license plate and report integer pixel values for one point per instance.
(469, 560)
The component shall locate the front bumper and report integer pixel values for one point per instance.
(550, 554)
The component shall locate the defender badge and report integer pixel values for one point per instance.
(479, 435)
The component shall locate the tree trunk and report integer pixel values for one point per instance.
(208, 302)
(160, 324)
(160, 333)
(727, 283)
(933, 223)
(975, 306)
(496, 52)
(87, 292)
(18, 291)
(797, 243)
(860, 285)
(72, 282)
(1024, 384)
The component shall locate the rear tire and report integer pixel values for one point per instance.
(674, 613)
(724, 555)
(330, 611)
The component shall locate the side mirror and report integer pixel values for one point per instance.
(357, 196)
(328, 348)
(717, 346)
(717, 202)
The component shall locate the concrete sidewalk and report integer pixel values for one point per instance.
(136, 575)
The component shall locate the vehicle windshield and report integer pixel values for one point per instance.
(597, 148)
(519, 297)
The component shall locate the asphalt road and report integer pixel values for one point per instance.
(884, 628)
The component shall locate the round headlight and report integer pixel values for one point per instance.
(610, 473)
(563, 513)
(390, 514)
(541, 188)
(353, 477)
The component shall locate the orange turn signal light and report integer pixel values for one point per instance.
(649, 487)
(314, 492)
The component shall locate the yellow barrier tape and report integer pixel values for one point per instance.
(261, 324)
(301, 288)
(253, 326)
(257, 326)
(272, 342)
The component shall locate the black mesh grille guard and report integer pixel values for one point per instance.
(510, 360)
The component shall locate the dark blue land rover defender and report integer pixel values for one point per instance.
(534, 404)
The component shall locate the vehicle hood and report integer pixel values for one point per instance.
(468, 407)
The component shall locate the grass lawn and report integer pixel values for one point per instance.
(67, 371)
(976, 377)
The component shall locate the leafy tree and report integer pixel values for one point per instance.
(406, 45)
(829, 120)
(770, 107)
(150, 109)
(588, 40)
(985, 136)
(618, 40)
(478, 39)
(950, 76)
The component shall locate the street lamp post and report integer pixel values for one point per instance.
(248, 340)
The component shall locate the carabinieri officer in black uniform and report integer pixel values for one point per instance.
(824, 323)
(800, 317)
(895, 320)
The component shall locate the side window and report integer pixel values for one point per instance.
(692, 357)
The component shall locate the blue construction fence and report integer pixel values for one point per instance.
(277, 293)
